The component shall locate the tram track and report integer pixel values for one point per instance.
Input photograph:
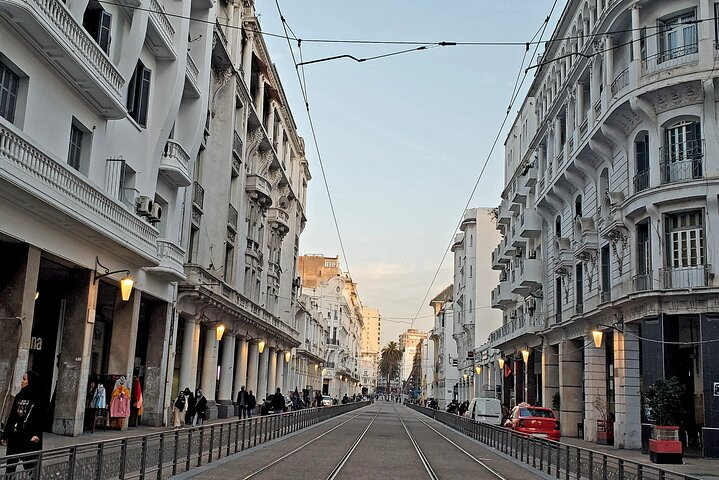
(425, 461)
(335, 471)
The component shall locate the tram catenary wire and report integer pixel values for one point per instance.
(431, 473)
(301, 447)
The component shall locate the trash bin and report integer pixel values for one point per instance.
(580, 430)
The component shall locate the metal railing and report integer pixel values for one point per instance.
(671, 58)
(684, 277)
(641, 181)
(232, 217)
(682, 161)
(620, 82)
(164, 454)
(556, 459)
(643, 281)
(198, 195)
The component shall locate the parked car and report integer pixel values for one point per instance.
(326, 401)
(534, 421)
(488, 410)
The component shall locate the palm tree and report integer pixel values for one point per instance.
(389, 363)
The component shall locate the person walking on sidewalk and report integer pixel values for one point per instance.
(200, 408)
(23, 432)
(278, 402)
(251, 404)
(178, 410)
(190, 406)
(242, 402)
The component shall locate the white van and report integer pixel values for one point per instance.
(488, 410)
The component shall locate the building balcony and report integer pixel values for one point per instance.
(507, 249)
(504, 215)
(673, 58)
(620, 82)
(563, 256)
(531, 272)
(259, 189)
(49, 27)
(641, 181)
(643, 281)
(232, 218)
(279, 219)
(516, 277)
(175, 165)
(237, 146)
(160, 33)
(530, 225)
(198, 196)
(59, 194)
(529, 178)
(502, 295)
(517, 241)
(682, 161)
(192, 75)
(519, 196)
(684, 277)
(586, 237)
(499, 262)
(516, 331)
(171, 258)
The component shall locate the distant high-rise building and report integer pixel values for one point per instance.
(370, 353)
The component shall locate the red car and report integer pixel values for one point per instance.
(534, 421)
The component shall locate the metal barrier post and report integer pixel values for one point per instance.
(143, 458)
(201, 447)
(189, 448)
(160, 460)
(101, 459)
(73, 456)
(212, 443)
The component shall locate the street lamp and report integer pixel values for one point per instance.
(288, 356)
(525, 355)
(261, 346)
(219, 332)
(126, 283)
(501, 363)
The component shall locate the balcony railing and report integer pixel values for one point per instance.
(671, 58)
(560, 158)
(570, 145)
(641, 181)
(606, 295)
(198, 195)
(682, 161)
(237, 146)
(621, 82)
(583, 128)
(684, 277)
(597, 109)
(643, 281)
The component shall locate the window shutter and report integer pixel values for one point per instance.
(144, 97)
(131, 91)
(103, 31)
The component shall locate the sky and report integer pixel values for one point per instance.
(402, 139)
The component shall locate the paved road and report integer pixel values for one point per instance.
(383, 440)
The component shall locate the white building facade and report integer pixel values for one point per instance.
(473, 283)
(610, 201)
(444, 361)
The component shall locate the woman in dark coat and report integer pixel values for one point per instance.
(200, 407)
(23, 432)
(189, 406)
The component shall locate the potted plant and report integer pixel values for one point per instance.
(665, 405)
(605, 422)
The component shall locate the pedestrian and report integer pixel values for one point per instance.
(242, 402)
(190, 401)
(278, 402)
(318, 399)
(200, 408)
(296, 399)
(463, 408)
(178, 410)
(251, 404)
(23, 430)
(345, 400)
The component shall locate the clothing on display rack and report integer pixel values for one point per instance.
(137, 396)
(120, 400)
(99, 398)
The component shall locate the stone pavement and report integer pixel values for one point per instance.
(704, 468)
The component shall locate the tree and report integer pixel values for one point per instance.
(665, 400)
(389, 363)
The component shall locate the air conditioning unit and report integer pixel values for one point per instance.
(155, 213)
(143, 205)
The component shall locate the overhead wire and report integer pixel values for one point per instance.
(486, 162)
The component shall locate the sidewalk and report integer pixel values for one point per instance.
(51, 440)
(704, 468)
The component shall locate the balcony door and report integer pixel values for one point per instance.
(678, 37)
(686, 250)
(683, 156)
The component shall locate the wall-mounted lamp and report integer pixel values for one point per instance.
(341, 377)
(525, 355)
(219, 332)
(126, 282)
(478, 369)
(501, 363)
(37, 295)
(465, 376)
(317, 366)
(288, 356)
(598, 334)
(261, 346)
(324, 370)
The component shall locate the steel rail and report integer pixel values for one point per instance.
(422, 457)
(333, 474)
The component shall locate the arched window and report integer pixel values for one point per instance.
(558, 226)
(641, 147)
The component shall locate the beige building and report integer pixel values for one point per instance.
(370, 352)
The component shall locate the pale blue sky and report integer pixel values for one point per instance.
(403, 138)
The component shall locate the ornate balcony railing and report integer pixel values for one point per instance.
(674, 57)
(60, 186)
(237, 145)
(684, 277)
(159, 17)
(598, 108)
(583, 128)
(621, 82)
(198, 195)
(641, 181)
(232, 217)
(682, 161)
(643, 281)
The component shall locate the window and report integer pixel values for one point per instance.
(644, 260)
(606, 266)
(683, 152)
(677, 37)
(558, 227)
(75, 151)
(97, 23)
(685, 258)
(578, 206)
(229, 261)
(641, 179)
(9, 82)
(580, 288)
(138, 94)
(558, 299)
(192, 248)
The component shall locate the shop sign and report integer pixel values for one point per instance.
(716, 389)
(36, 343)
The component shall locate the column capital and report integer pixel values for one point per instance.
(635, 6)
